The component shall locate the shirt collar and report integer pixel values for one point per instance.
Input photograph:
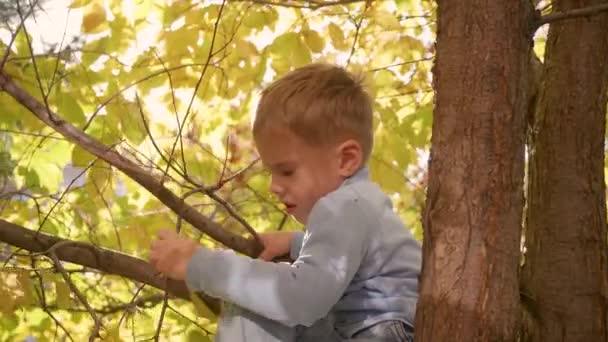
(361, 174)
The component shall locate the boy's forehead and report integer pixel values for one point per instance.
(277, 153)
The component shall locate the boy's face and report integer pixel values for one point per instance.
(301, 173)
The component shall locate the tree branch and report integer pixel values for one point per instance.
(576, 13)
(148, 181)
(304, 4)
(102, 259)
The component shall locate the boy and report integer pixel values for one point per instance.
(355, 270)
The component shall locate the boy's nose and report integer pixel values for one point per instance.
(275, 188)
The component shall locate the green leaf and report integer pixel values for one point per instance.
(390, 178)
(10, 321)
(80, 157)
(69, 109)
(196, 335)
(99, 181)
(289, 47)
(131, 121)
(21, 43)
(106, 129)
(7, 165)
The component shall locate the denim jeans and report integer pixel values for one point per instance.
(387, 331)
(240, 325)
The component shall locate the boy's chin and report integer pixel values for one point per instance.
(300, 218)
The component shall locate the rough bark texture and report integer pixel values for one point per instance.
(88, 255)
(564, 278)
(472, 220)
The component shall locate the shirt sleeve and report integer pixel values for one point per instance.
(293, 294)
(296, 245)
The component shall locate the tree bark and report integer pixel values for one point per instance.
(472, 220)
(102, 259)
(565, 276)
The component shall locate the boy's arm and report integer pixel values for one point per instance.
(296, 294)
(296, 245)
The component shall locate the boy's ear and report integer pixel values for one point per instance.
(350, 157)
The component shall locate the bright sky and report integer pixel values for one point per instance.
(48, 26)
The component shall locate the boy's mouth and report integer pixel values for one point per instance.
(289, 207)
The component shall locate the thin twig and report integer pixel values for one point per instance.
(400, 64)
(226, 156)
(63, 194)
(2, 130)
(74, 289)
(65, 29)
(122, 90)
(156, 147)
(58, 324)
(236, 216)
(131, 304)
(161, 317)
(357, 30)
(109, 209)
(209, 57)
(575, 13)
(189, 319)
(14, 36)
(29, 45)
(179, 125)
(311, 4)
(222, 181)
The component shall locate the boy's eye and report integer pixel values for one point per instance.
(286, 173)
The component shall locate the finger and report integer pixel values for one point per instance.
(166, 234)
(266, 255)
(153, 256)
(155, 244)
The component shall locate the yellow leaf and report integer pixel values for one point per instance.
(63, 293)
(280, 65)
(314, 40)
(79, 3)
(202, 309)
(7, 304)
(112, 334)
(386, 19)
(255, 20)
(337, 37)
(27, 287)
(94, 16)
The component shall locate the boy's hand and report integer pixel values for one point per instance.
(276, 244)
(170, 254)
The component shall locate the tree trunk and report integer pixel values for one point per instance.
(564, 279)
(472, 220)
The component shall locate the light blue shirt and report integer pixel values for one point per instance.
(356, 263)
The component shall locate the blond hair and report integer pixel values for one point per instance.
(321, 104)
